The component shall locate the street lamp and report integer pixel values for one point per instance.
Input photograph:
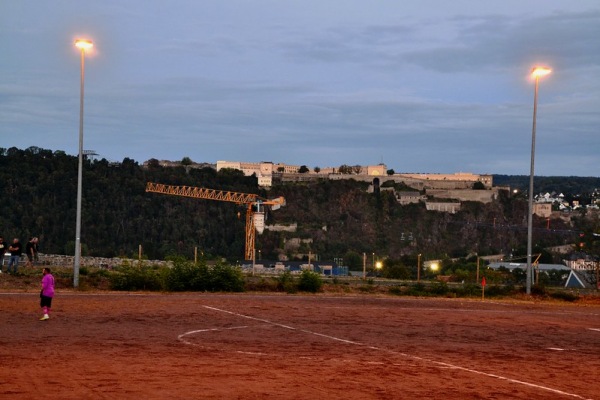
(83, 45)
(378, 267)
(537, 72)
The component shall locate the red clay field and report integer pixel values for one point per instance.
(247, 346)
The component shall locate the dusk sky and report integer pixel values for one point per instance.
(421, 86)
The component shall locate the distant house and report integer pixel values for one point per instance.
(409, 197)
(449, 207)
(580, 261)
(543, 210)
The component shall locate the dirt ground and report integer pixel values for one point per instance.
(248, 346)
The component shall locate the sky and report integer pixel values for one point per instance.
(419, 85)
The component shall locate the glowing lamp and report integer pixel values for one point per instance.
(538, 72)
(83, 44)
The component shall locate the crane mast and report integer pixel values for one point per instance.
(255, 216)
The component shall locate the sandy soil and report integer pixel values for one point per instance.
(245, 346)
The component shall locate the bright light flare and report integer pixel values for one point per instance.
(538, 72)
(434, 266)
(84, 44)
(378, 265)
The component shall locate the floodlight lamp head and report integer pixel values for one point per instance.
(538, 72)
(83, 44)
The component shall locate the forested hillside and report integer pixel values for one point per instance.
(39, 189)
(38, 198)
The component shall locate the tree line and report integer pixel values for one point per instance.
(336, 219)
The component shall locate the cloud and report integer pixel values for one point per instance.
(467, 43)
(500, 43)
(431, 89)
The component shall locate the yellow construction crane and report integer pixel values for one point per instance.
(255, 206)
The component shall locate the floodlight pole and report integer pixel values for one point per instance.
(364, 266)
(83, 45)
(537, 72)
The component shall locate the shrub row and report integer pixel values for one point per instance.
(184, 276)
(188, 276)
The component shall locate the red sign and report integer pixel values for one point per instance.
(483, 281)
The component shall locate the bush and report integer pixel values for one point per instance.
(396, 272)
(285, 282)
(187, 276)
(225, 278)
(100, 272)
(416, 290)
(310, 282)
(439, 288)
(140, 277)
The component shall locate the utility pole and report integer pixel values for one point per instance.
(598, 274)
(364, 266)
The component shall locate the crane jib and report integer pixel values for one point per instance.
(201, 193)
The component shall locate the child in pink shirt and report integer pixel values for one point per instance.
(47, 293)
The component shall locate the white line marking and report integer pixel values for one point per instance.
(439, 363)
(594, 329)
(180, 337)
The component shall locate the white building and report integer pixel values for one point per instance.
(262, 170)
